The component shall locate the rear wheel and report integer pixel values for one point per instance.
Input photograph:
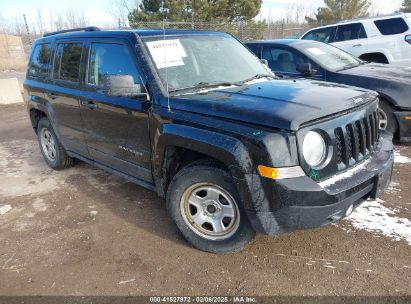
(204, 204)
(53, 152)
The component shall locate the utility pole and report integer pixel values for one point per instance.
(27, 28)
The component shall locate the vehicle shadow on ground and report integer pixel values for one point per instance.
(132, 203)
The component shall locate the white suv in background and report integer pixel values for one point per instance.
(383, 39)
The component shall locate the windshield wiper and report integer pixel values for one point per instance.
(205, 84)
(258, 76)
(349, 66)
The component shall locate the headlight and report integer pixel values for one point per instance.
(314, 149)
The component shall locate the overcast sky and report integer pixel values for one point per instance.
(98, 11)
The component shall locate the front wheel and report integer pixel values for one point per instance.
(204, 204)
(386, 117)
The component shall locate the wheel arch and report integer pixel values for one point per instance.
(179, 145)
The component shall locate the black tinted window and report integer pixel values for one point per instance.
(323, 35)
(110, 59)
(40, 61)
(254, 48)
(392, 26)
(350, 32)
(67, 62)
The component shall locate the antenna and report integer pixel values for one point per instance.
(165, 56)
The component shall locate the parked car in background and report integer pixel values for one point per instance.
(382, 39)
(320, 61)
(196, 117)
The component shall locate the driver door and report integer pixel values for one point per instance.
(116, 127)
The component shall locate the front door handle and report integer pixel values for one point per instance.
(357, 45)
(89, 104)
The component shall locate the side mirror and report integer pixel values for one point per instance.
(122, 86)
(306, 69)
(264, 61)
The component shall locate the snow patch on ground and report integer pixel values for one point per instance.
(4, 209)
(374, 217)
(393, 188)
(400, 159)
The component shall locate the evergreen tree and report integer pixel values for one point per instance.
(197, 10)
(337, 10)
(406, 6)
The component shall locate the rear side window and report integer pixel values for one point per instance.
(392, 26)
(40, 61)
(110, 59)
(325, 34)
(67, 62)
(350, 32)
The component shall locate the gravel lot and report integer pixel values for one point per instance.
(85, 232)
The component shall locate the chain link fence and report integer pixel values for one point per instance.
(15, 49)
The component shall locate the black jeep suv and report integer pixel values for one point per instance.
(196, 117)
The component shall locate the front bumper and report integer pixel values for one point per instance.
(307, 204)
(404, 125)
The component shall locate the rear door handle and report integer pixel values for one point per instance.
(357, 45)
(89, 104)
(52, 95)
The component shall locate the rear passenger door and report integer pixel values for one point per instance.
(117, 127)
(351, 38)
(63, 94)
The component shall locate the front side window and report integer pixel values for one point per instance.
(184, 62)
(281, 60)
(325, 35)
(67, 62)
(392, 26)
(328, 56)
(350, 32)
(40, 61)
(110, 59)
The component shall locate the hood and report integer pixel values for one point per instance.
(283, 104)
(382, 71)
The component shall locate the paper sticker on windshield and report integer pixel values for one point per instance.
(167, 53)
(316, 51)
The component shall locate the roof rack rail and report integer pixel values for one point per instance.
(372, 17)
(80, 29)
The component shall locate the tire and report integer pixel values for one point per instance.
(387, 119)
(212, 189)
(53, 152)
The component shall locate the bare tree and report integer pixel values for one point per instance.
(120, 9)
(40, 22)
(296, 13)
(75, 18)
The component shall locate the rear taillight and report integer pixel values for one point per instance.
(408, 39)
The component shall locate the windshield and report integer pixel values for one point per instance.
(197, 61)
(328, 56)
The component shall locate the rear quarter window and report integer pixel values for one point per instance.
(40, 61)
(392, 26)
(325, 35)
(67, 61)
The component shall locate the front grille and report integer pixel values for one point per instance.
(356, 140)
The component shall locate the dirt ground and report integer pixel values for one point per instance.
(85, 232)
